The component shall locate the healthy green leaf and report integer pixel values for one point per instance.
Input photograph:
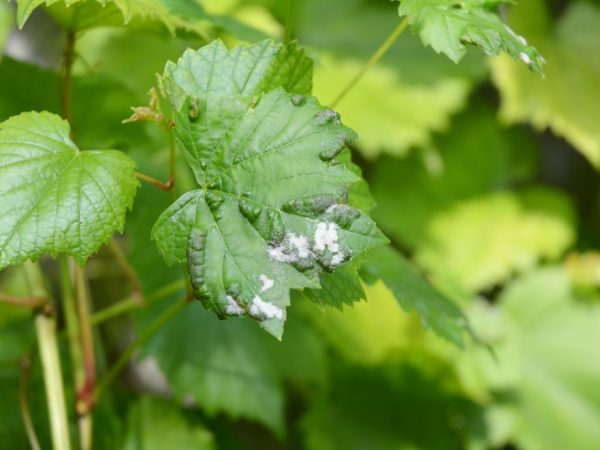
(412, 191)
(447, 25)
(483, 241)
(568, 101)
(83, 14)
(271, 211)
(543, 336)
(393, 114)
(414, 293)
(233, 367)
(155, 424)
(57, 199)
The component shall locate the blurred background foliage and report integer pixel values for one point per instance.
(483, 174)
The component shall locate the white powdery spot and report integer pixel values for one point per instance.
(337, 259)
(525, 58)
(522, 40)
(260, 308)
(232, 307)
(300, 243)
(278, 254)
(267, 283)
(326, 237)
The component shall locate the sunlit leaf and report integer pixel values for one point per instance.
(568, 100)
(56, 198)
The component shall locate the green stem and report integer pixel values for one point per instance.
(85, 395)
(132, 303)
(76, 350)
(130, 272)
(32, 438)
(114, 371)
(69, 58)
(289, 23)
(45, 327)
(373, 60)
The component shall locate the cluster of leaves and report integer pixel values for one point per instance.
(270, 221)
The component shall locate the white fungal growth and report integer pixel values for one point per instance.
(266, 283)
(522, 40)
(300, 243)
(293, 248)
(260, 308)
(326, 237)
(525, 58)
(232, 307)
(337, 258)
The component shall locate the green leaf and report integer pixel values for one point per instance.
(155, 424)
(271, 211)
(545, 340)
(57, 199)
(392, 113)
(481, 242)
(233, 367)
(414, 293)
(390, 408)
(447, 25)
(568, 100)
(342, 287)
(412, 191)
(83, 14)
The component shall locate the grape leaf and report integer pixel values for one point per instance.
(343, 287)
(393, 114)
(411, 191)
(233, 367)
(155, 424)
(98, 11)
(414, 293)
(271, 211)
(481, 242)
(447, 25)
(56, 198)
(568, 101)
(543, 336)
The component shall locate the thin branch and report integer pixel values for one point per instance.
(25, 365)
(116, 369)
(156, 182)
(373, 60)
(289, 23)
(23, 302)
(85, 395)
(128, 269)
(130, 303)
(67, 69)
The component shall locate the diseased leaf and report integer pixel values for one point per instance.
(55, 198)
(272, 209)
(568, 100)
(447, 25)
(342, 287)
(414, 293)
